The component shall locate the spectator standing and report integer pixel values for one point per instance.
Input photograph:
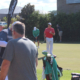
(59, 29)
(20, 56)
(36, 33)
(5, 36)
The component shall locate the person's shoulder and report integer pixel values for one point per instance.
(14, 40)
(5, 30)
(30, 41)
(58, 27)
(52, 28)
(10, 42)
(37, 29)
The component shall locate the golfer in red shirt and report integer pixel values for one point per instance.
(48, 36)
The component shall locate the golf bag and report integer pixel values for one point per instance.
(51, 70)
(75, 76)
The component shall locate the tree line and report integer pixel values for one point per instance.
(70, 23)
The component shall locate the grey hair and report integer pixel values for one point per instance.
(19, 27)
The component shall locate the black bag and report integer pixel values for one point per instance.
(75, 76)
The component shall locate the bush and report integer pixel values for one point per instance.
(70, 24)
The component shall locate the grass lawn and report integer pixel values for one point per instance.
(68, 57)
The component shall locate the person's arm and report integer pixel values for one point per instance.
(52, 33)
(38, 32)
(3, 43)
(36, 62)
(58, 30)
(37, 58)
(7, 58)
(4, 69)
(33, 34)
(44, 36)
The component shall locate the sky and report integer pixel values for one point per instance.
(41, 5)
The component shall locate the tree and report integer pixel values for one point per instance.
(33, 18)
(27, 11)
(5, 19)
(18, 17)
(30, 17)
(13, 19)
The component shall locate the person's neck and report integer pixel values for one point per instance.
(20, 36)
(49, 27)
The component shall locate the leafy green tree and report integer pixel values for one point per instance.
(27, 11)
(30, 18)
(18, 17)
(43, 23)
(70, 23)
(5, 19)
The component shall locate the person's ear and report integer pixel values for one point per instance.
(14, 32)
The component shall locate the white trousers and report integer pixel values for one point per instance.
(49, 45)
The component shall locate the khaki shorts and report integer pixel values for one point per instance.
(60, 33)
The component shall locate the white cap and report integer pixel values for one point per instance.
(34, 28)
(49, 23)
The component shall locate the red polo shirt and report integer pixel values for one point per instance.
(47, 32)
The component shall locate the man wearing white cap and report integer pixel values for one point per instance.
(48, 36)
(36, 33)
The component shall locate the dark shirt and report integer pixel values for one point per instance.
(60, 29)
(9, 34)
(5, 37)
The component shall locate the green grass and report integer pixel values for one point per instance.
(68, 57)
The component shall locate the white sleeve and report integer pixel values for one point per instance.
(5, 30)
(3, 43)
